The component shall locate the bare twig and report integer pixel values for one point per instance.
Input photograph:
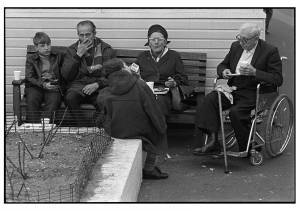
(19, 158)
(10, 127)
(51, 135)
(26, 191)
(23, 159)
(10, 182)
(43, 131)
(18, 170)
(32, 157)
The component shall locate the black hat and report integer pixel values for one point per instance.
(157, 28)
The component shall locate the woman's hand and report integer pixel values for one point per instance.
(170, 83)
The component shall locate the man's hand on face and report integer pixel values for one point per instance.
(226, 74)
(248, 69)
(90, 88)
(84, 46)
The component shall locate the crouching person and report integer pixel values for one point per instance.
(43, 79)
(130, 111)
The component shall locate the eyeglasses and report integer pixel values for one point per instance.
(156, 38)
(243, 39)
(85, 35)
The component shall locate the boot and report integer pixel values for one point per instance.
(211, 146)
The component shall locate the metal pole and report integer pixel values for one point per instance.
(223, 135)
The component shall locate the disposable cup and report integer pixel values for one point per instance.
(150, 84)
(17, 75)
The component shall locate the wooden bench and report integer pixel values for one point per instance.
(194, 66)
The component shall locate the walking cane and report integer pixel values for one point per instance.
(223, 135)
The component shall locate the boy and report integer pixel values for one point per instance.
(43, 79)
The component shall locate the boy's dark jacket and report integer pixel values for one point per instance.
(131, 111)
(33, 68)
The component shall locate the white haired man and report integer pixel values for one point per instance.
(249, 62)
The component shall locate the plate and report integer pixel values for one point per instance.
(234, 74)
(160, 90)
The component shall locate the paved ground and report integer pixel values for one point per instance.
(201, 179)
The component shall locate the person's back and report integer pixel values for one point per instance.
(131, 111)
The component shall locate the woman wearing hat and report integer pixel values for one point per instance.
(161, 65)
(130, 110)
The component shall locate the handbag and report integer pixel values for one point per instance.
(181, 95)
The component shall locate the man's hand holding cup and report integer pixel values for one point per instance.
(247, 69)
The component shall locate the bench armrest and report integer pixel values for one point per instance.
(18, 82)
(17, 97)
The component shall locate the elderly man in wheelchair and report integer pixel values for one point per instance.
(251, 66)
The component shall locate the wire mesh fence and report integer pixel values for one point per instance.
(19, 157)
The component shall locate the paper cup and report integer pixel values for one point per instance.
(150, 84)
(17, 75)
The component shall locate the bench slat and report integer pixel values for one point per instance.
(31, 48)
(128, 53)
(193, 56)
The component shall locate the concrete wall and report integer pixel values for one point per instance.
(205, 30)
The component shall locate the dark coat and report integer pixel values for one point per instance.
(266, 60)
(75, 68)
(131, 111)
(33, 68)
(170, 65)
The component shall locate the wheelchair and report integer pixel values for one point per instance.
(272, 123)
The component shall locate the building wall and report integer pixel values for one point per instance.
(199, 30)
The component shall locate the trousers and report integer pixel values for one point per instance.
(208, 118)
(35, 96)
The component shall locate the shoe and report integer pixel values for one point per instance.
(155, 174)
(202, 151)
(212, 148)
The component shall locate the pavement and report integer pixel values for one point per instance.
(202, 179)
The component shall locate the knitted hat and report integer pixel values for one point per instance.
(157, 28)
(112, 66)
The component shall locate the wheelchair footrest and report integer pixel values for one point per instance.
(237, 154)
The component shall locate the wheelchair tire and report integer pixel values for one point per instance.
(279, 125)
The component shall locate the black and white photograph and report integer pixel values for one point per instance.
(149, 105)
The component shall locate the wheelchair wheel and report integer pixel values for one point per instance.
(279, 125)
(256, 158)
